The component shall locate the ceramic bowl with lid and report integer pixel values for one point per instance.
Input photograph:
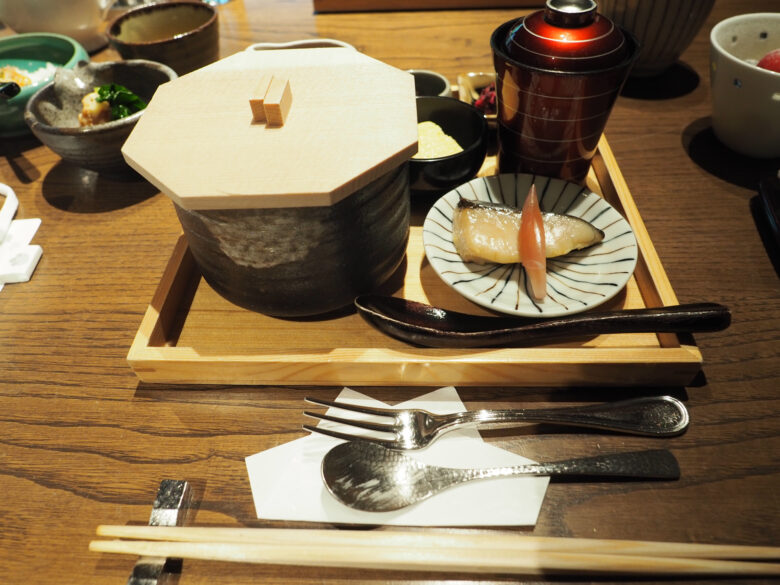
(290, 220)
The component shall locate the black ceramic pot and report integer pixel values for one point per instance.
(303, 261)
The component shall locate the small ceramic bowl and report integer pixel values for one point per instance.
(468, 127)
(664, 28)
(430, 83)
(117, 8)
(746, 98)
(52, 113)
(39, 54)
(183, 35)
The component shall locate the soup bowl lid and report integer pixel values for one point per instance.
(568, 36)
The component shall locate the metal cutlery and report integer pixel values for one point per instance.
(372, 478)
(661, 416)
(429, 326)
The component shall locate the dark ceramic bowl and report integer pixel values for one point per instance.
(664, 28)
(303, 261)
(183, 35)
(52, 113)
(468, 126)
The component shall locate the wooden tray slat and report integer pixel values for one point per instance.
(191, 335)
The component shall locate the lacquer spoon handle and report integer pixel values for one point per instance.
(690, 318)
(429, 326)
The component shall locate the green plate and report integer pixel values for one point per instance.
(30, 52)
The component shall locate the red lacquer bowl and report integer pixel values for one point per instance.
(556, 84)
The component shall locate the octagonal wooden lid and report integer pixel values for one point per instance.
(352, 119)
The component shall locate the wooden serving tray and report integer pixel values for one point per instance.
(191, 335)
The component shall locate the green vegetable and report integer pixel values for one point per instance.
(122, 101)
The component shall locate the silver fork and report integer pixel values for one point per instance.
(661, 416)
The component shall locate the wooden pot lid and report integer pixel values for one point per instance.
(337, 120)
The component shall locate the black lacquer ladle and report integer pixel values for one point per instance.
(428, 326)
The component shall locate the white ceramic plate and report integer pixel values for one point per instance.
(576, 282)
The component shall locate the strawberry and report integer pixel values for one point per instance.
(771, 61)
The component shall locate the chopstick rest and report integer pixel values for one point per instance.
(170, 509)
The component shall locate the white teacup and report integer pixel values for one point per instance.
(82, 20)
(746, 98)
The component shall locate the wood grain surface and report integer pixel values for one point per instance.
(83, 442)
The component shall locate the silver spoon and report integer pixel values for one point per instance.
(429, 326)
(372, 478)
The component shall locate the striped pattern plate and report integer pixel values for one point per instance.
(576, 282)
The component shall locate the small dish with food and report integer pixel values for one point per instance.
(452, 144)
(475, 238)
(745, 83)
(479, 90)
(29, 61)
(85, 115)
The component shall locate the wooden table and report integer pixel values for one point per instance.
(82, 442)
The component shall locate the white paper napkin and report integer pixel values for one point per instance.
(287, 484)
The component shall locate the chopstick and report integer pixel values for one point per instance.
(437, 551)
(520, 542)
